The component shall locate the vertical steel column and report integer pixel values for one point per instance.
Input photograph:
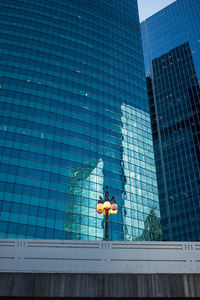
(106, 226)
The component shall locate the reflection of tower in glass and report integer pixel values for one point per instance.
(86, 186)
(139, 169)
(152, 228)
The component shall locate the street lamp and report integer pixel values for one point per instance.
(107, 207)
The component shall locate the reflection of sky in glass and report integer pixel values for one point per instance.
(179, 24)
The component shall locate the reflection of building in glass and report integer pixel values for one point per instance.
(73, 80)
(152, 227)
(173, 70)
(140, 188)
(86, 185)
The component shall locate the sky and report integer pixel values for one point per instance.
(149, 7)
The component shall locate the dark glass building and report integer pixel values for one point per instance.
(171, 41)
(74, 118)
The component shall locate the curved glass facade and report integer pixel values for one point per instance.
(74, 118)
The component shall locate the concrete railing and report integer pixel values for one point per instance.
(57, 256)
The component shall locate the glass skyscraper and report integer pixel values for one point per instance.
(74, 119)
(171, 40)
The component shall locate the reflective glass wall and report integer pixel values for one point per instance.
(74, 118)
(171, 41)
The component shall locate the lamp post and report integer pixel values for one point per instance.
(107, 207)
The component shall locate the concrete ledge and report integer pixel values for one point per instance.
(99, 285)
(57, 256)
(52, 268)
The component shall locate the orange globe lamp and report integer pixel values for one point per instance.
(107, 207)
